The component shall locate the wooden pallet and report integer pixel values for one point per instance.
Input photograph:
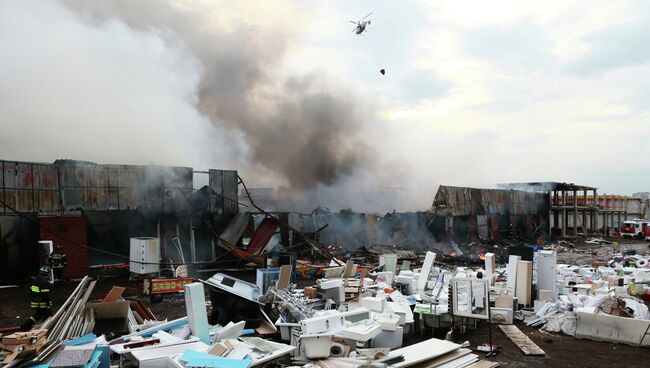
(526, 345)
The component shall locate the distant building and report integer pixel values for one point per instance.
(92, 210)
(470, 213)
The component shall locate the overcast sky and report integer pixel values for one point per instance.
(481, 92)
(475, 92)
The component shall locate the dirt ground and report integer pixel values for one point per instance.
(561, 350)
(583, 253)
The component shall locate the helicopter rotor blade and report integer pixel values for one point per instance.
(353, 22)
(367, 15)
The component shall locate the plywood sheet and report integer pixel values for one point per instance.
(484, 364)
(114, 295)
(285, 277)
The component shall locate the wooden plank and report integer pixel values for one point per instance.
(527, 346)
(285, 276)
(114, 295)
(348, 269)
(484, 364)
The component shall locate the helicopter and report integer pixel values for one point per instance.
(361, 24)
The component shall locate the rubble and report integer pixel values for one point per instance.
(348, 308)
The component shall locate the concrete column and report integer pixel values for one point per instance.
(564, 214)
(619, 220)
(604, 223)
(556, 213)
(575, 213)
(584, 213)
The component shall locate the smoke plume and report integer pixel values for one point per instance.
(296, 127)
(175, 83)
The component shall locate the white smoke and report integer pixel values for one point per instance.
(100, 92)
(138, 82)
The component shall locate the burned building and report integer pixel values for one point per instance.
(470, 213)
(93, 210)
(580, 210)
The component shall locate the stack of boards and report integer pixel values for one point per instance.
(435, 353)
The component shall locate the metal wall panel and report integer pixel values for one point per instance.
(24, 188)
(225, 184)
(70, 186)
(29, 187)
(47, 188)
(462, 201)
(230, 191)
(9, 178)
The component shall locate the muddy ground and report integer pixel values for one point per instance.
(561, 350)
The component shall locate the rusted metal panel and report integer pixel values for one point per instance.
(25, 188)
(71, 186)
(46, 183)
(462, 201)
(9, 177)
(263, 235)
(28, 187)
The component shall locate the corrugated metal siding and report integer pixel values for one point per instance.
(70, 186)
(225, 184)
(263, 235)
(233, 232)
(29, 187)
(94, 187)
(462, 201)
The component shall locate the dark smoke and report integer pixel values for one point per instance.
(295, 126)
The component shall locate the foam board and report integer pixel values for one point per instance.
(523, 289)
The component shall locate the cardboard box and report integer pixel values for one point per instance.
(111, 318)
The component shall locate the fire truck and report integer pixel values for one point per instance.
(637, 228)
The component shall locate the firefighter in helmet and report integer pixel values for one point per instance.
(57, 261)
(41, 304)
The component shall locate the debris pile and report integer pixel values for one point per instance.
(350, 313)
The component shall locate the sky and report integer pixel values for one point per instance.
(475, 93)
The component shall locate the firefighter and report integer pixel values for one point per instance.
(41, 304)
(57, 261)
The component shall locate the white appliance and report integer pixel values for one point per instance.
(144, 255)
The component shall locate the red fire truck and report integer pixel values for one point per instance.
(637, 228)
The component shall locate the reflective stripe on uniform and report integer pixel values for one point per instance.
(35, 289)
(45, 290)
